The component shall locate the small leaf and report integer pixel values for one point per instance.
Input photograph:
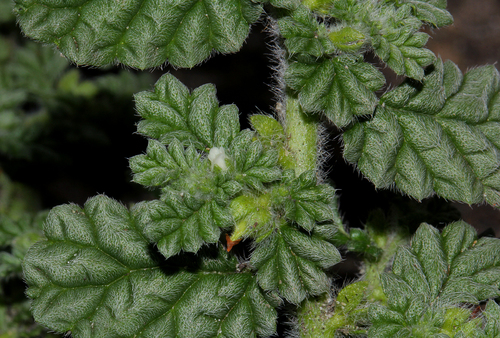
(308, 201)
(431, 278)
(291, 262)
(342, 88)
(431, 11)
(181, 223)
(304, 35)
(400, 45)
(347, 39)
(194, 118)
(267, 126)
(160, 165)
(427, 142)
(142, 33)
(253, 164)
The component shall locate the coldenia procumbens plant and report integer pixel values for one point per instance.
(168, 267)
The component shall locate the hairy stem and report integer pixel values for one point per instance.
(301, 136)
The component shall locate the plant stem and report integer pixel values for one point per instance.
(301, 136)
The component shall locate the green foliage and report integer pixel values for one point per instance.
(17, 236)
(438, 137)
(308, 202)
(37, 88)
(97, 257)
(435, 274)
(184, 223)
(343, 312)
(171, 111)
(141, 34)
(430, 11)
(164, 267)
(303, 34)
(291, 263)
(342, 87)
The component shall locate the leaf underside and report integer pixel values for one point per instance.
(96, 276)
(139, 33)
(440, 137)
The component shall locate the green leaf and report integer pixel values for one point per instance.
(394, 30)
(253, 163)
(267, 127)
(140, 33)
(180, 222)
(16, 237)
(159, 165)
(171, 111)
(431, 11)
(95, 276)
(308, 202)
(439, 137)
(399, 44)
(435, 274)
(287, 4)
(304, 35)
(342, 88)
(292, 263)
(492, 313)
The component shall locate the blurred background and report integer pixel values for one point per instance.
(66, 134)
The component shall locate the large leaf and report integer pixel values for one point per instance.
(438, 272)
(139, 33)
(180, 222)
(171, 111)
(292, 263)
(342, 88)
(439, 137)
(96, 276)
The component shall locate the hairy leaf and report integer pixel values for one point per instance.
(439, 137)
(140, 33)
(304, 35)
(96, 276)
(400, 45)
(492, 313)
(341, 87)
(180, 222)
(159, 165)
(394, 31)
(436, 273)
(431, 11)
(308, 202)
(253, 164)
(171, 111)
(287, 4)
(292, 263)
